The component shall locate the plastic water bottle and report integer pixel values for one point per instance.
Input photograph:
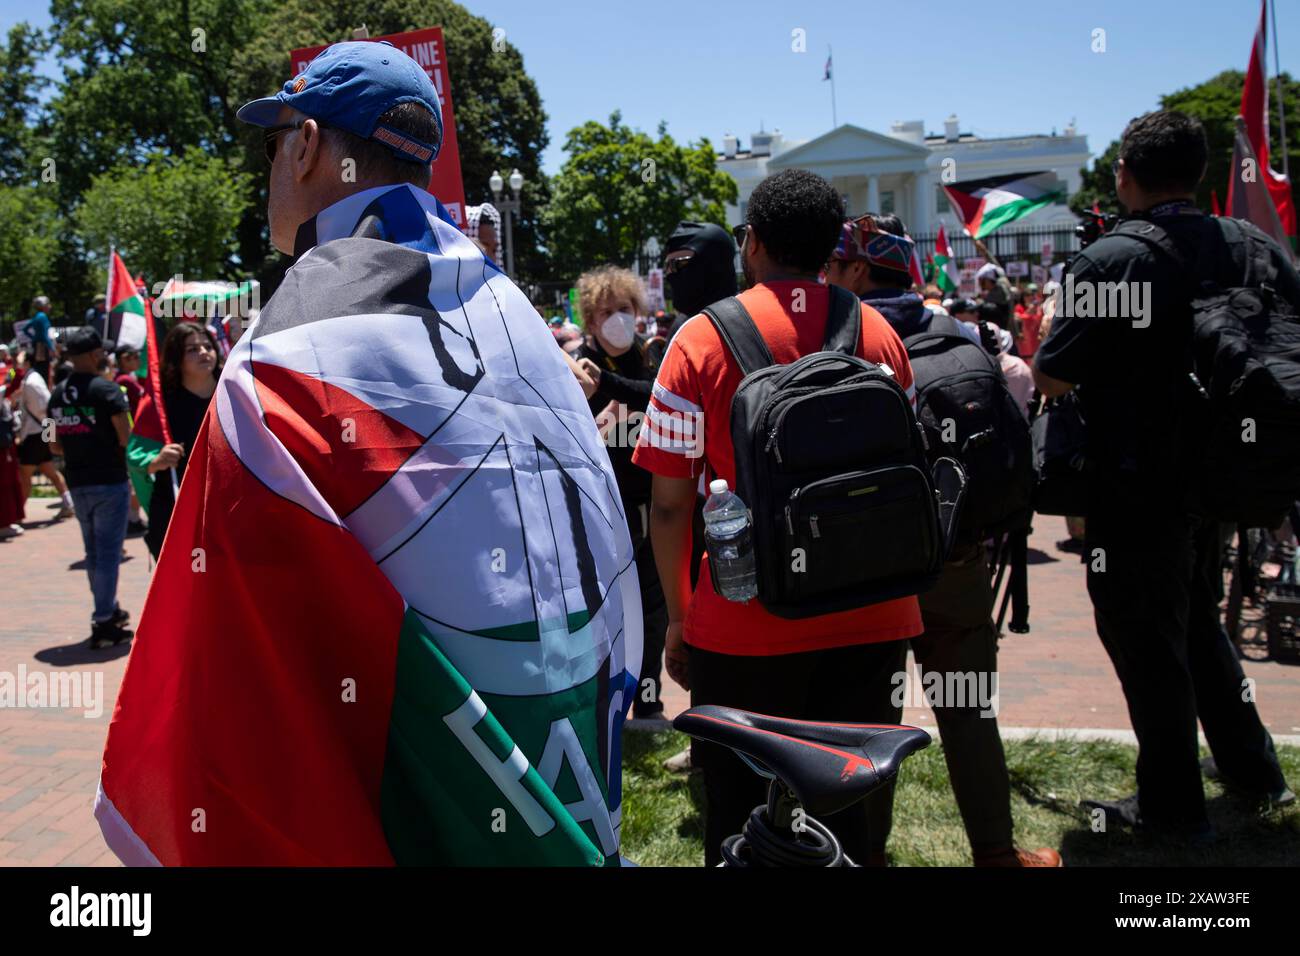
(729, 539)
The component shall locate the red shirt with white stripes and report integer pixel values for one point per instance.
(687, 431)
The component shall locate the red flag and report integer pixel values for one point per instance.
(1096, 209)
(1250, 200)
(1254, 110)
(1214, 203)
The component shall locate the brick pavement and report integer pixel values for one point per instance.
(1055, 677)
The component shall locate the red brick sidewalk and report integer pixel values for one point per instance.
(1054, 677)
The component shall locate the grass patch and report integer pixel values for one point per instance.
(663, 823)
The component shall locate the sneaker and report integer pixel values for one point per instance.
(1128, 813)
(1014, 856)
(11, 531)
(679, 763)
(65, 511)
(120, 617)
(108, 633)
(135, 527)
(1125, 812)
(1070, 545)
(1277, 798)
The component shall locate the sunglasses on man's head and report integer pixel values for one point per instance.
(739, 233)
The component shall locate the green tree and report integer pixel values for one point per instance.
(170, 215)
(620, 187)
(138, 79)
(20, 90)
(1215, 103)
(29, 243)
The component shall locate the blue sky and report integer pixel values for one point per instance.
(1004, 67)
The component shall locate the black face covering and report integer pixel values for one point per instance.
(711, 273)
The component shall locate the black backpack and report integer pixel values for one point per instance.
(831, 463)
(969, 414)
(1245, 381)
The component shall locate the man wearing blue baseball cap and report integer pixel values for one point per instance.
(411, 539)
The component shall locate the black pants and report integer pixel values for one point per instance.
(654, 622)
(961, 640)
(1155, 582)
(848, 684)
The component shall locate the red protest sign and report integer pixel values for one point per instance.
(426, 48)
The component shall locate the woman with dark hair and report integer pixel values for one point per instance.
(190, 365)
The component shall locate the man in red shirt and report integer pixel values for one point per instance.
(836, 667)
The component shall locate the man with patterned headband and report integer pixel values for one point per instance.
(485, 235)
(398, 567)
(872, 261)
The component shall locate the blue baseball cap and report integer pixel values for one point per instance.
(350, 85)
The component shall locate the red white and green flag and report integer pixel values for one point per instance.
(126, 326)
(945, 267)
(986, 205)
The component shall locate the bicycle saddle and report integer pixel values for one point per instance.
(828, 766)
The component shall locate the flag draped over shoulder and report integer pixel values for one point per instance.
(986, 205)
(396, 618)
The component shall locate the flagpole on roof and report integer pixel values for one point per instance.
(1281, 110)
(830, 74)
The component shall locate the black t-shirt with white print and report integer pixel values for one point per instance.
(82, 407)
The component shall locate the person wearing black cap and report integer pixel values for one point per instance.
(92, 426)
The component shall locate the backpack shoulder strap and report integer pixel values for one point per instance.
(844, 323)
(740, 335)
(1152, 235)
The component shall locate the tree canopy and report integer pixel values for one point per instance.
(620, 187)
(1215, 103)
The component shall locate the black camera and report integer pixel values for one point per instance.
(1094, 226)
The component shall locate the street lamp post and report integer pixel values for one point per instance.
(508, 208)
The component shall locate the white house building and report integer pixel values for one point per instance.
(899, 172)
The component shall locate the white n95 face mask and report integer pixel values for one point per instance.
(619, 330)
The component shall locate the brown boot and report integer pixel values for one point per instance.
(1013, 856)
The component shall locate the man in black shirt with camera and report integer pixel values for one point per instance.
(1122, 331)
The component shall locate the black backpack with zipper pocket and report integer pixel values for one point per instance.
(846, 510)
(1244, 395)
(968, 413)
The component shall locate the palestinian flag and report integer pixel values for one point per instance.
(212, 304)
(147, 439)
(126, 325)
(396, 616)
(945, 267)
(987, 205)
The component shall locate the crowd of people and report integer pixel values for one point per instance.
(89, 406)
(674, 378)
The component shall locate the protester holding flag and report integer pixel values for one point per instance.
(191, 364)
(399, 537)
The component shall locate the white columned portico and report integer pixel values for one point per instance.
(920, 204)
(873, 194)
